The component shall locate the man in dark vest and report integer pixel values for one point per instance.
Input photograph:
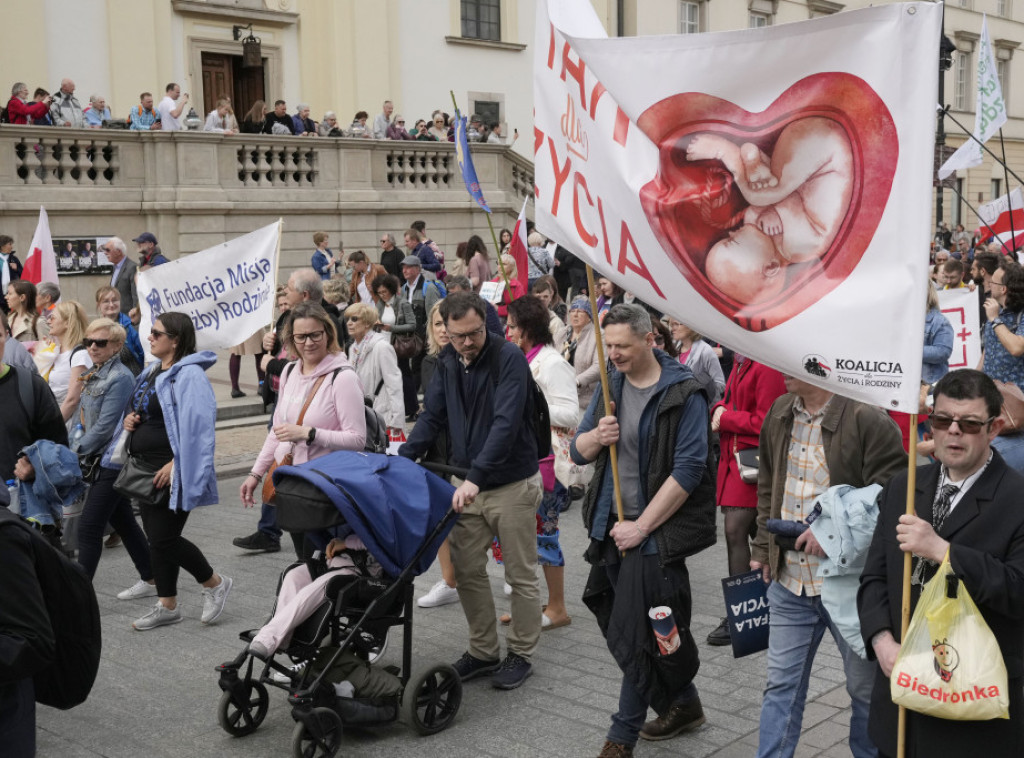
(659, 423)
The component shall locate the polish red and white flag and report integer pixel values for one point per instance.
(41, 263)
(1003, 219)
(518, 247)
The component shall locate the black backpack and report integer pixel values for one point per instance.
(537, 406)
(74, 617)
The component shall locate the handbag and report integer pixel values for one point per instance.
(269, 492)
(949, 656)
(747, 461)
(119, 455)
(90, 465)
(407, 345)
(1013, 408)
(135, 482)
(569, 473)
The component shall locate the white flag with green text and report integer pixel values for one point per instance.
(990, 109)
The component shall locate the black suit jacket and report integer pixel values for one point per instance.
(125, 284)
(986, 536)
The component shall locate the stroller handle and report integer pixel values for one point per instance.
(441, 468)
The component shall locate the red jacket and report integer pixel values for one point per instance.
(19, 112)
(749, 393)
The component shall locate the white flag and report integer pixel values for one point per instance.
(990, 110)
(751, 183)
(960, 307)
(227, 290)
(41, 263)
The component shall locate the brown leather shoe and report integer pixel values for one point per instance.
(615, 750)
(680, 718)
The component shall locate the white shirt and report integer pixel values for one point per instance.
(60, 375)
(388, 316)
(5, 271)
(364, 292)
(168, 123)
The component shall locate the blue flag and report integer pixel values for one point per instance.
(466, 162)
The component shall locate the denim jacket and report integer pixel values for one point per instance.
(938, 346)
(844, 530)
(58, 482)
(104, 396)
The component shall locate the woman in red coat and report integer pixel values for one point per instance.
(749, 393)
(20, 111)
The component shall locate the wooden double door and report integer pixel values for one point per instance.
(223, 76)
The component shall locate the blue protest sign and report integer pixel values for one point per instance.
(746, 606)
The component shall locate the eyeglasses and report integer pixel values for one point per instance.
(158, 334)
(466, 336)
(313, 337)
(994, 283)
(967, 425)
(402, 121)
(352, 318)
(98, 343)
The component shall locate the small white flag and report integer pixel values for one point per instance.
(990, 110)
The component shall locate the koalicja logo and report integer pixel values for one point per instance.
(766, 213)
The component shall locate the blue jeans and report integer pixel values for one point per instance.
(268, 522)
(797, 626)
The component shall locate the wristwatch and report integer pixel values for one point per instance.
(311, 436)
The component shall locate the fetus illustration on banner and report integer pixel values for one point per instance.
(766, 213)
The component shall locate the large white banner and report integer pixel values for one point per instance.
(769, 187)
(960, 307)
(227, 290)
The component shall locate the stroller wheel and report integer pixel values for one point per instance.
(432, 698)
(240, 719)
(318, 735)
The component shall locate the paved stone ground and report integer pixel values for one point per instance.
(157, 692)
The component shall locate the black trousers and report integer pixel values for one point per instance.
(104, 504)
(169, 550)
(18, 718)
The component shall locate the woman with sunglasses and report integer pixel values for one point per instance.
(319, 402)
(106, 388)
(438, 129)
(170, 420)
(376, 365)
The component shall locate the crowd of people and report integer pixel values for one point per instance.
(169, 113)
(506, 389)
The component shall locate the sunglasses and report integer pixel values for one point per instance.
(967, 425)
(158, 334)
(98, 343)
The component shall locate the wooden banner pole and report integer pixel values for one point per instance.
(901, 734)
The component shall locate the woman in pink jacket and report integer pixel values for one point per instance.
(749, 393)
(323, 377)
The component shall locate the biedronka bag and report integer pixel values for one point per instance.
(949, 665)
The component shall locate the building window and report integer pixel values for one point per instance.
(962, 81)
(1003, 72)
(481, 19)
(964, 3)
(758, 20)
(995, 190)
(1003, 8)
(689, 17)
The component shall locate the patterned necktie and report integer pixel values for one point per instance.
(941, 509)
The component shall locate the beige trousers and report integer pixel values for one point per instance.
(508, 513)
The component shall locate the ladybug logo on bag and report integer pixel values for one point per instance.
(946, 659)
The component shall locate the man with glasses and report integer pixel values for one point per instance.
(390, 256)
(489, 434)
(811, 440)
(968, 507)
(1003, 345)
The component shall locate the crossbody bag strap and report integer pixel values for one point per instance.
(309, 399)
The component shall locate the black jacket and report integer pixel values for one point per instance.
(15, 268)
(986, 532)
(487, 425)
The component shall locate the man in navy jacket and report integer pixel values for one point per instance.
(480, 394)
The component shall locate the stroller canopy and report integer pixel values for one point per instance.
(390, 502)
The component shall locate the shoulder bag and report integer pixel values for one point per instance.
(269, 493)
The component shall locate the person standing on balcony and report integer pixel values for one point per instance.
(144, 116)
(65, 110)
(97, 112)
(304, 125)
(20, 111)
(172, 107)
(416, 246)
(278, 116)
(382, 121)
(397, 130)
(390, 256)
(221, 119)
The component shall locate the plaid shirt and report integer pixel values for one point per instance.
(806, 478)
(141, 119)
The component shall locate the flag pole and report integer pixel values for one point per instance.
(490, 222)
(605, 391)
(277, 268)
(1009, 200)
(983, 146)
(901, 733)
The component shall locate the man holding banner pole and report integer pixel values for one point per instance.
(658, 421)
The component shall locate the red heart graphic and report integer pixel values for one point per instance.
(766, 213)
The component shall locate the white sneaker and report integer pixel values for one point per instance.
(213, 599)
(140, 589)
(280, 678)
(159, 616)
(440, 594)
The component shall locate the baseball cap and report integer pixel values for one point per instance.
(145, 237)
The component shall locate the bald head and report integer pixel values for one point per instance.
(67, 86)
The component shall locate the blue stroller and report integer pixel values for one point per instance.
(402, 513)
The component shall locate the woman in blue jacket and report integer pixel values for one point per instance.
(938, 341)
(107, 386)
(171, 423)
